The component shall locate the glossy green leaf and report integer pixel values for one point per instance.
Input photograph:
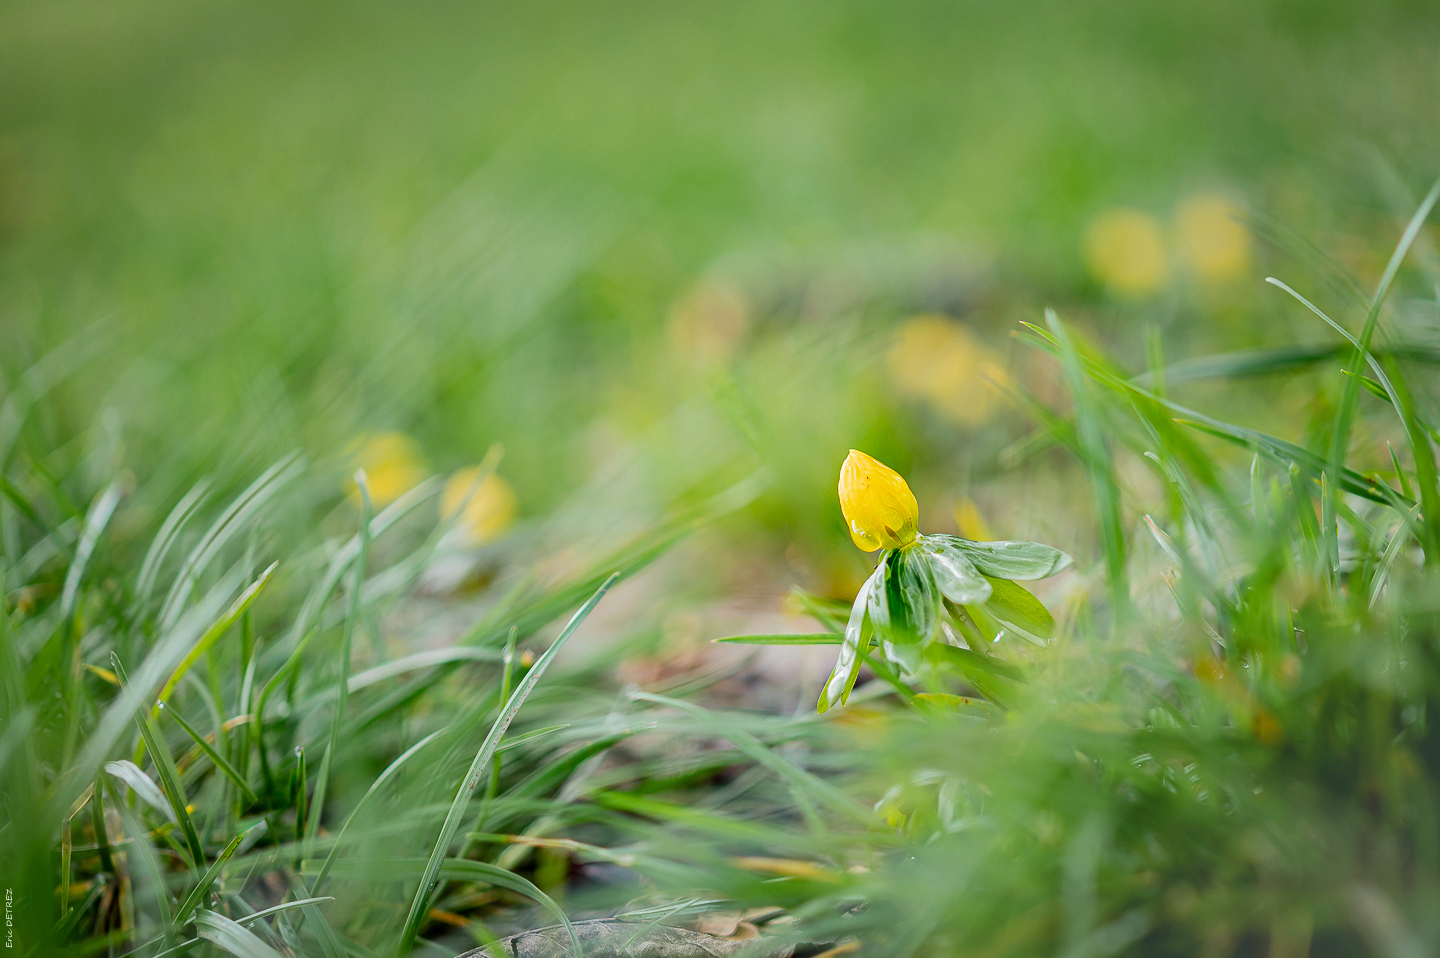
(1007, 559)
(967, 659)
(1011, 603)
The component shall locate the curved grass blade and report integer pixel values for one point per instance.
(143, 785)
(1095, 456)
(231, 522)
(169, 532)
(758, 752)
(419, 906)
(1350, 397)
(304, 630)
(213, 634)
(95, 521)
(420, 660)
(231, 936)
(347, 638)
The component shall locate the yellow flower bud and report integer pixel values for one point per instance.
(879, 507)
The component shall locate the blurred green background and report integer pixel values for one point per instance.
(649, 246)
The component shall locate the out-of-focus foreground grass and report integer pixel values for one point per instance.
(573, 282)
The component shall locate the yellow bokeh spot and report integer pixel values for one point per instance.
(1212, 238)
(940, 362)
(392, 465)
(1125, 249)
(484, 503)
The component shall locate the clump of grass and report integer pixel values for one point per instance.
(204, 745)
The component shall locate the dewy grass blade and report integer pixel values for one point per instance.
(419, 906)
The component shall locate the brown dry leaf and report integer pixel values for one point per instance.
(721, 924)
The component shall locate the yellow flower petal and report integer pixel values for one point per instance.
(485, 506)
(879, 507)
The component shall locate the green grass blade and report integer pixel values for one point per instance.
(96, 519)
(757, 751)
(419, 906)
(142, 863)
(218, 760)
(1427, 482)
(232, 937)
(216, 630)
(784, 638)
(169, 777)
(202, 887)
(347, 638)
(168, 535)
(1350, 397)
(231, 522)
(143, 785)
(1096, 458)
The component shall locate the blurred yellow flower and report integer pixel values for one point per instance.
(707, 324)
(1125, 249)
(878, 506)
(971, 523)
(939, 361)
(1212, 237)
(485, 506)
(392, 465)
